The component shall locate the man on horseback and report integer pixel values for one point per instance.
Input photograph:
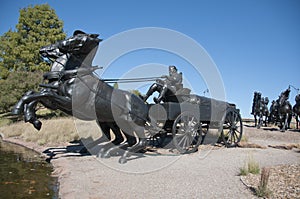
(70, 54)
(172, 83)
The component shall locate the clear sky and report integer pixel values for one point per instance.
(255, 43)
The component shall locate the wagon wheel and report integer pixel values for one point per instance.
(186, 133)
(232, 128)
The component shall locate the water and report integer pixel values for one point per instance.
(23, 174)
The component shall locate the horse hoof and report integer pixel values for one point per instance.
(101, 151)
(98, 155)
(105, 155)
(37, 124)
(122, 160)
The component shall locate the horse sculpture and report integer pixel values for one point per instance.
(74, 89)
(260, 109)
(296, 110)
(281, 111)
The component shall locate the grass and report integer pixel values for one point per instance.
(244, 138)
(262, 189)
(250, 166)
(55, 131)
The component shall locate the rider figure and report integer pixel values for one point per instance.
(71, 53)
(173, 82)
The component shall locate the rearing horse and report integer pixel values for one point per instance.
(79, 92)
(282, 111)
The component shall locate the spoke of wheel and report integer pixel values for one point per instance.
(193, 120)
(185, 121)
(181, 131)
(236, 120)
(227, 125)
(182, 138)
(186, 143)
(234, 137)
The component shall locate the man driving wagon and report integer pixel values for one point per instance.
(171, 83)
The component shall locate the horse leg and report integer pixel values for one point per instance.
(105, 129)
(284, 123)
(115, 149)
(30, 116)
(266, 119)
(27, 105)
(289, 120)
(141, 144)
(259, 121)
(107, 149)
(19, 107)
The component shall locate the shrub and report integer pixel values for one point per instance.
(250, 166)
(262, 189)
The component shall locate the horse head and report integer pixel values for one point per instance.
(284, 96)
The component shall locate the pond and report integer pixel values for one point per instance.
(23, 174)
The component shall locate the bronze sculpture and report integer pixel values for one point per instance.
(281, 111)
(260, 109)
(296, 110)
(73, 87)
(78, 82)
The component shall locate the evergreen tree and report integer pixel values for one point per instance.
(21, 65)
(19, 50)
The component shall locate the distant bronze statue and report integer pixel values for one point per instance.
(281, 111)
(168, 85)
(296, 110)
(260, 109)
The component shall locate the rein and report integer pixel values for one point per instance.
(130, 80)
(125, 80)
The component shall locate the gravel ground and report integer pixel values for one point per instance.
(212, 172)
(205, 174)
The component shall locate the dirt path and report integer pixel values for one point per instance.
(209, 173)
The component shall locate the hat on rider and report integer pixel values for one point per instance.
(77, 32)
(172, 67)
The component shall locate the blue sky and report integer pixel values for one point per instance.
(255, 44)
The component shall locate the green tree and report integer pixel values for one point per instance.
(136, 92)
(116, 85)
(19, 50)
(7, 60)
(15, 86)
(21, 66)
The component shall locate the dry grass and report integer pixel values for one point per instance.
(250, 166)
(262, 189)
(283, 182)
(54, 131)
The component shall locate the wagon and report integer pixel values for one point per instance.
(187, 119)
